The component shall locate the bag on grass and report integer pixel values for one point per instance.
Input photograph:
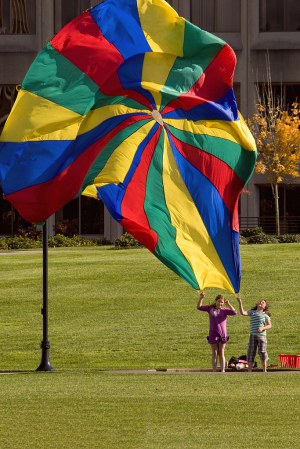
(232, 362)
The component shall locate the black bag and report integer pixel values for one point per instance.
(232, 362)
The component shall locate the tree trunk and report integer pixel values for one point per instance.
(275, 194)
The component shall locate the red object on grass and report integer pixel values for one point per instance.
(289, 361)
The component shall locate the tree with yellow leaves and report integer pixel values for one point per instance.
(277, 136)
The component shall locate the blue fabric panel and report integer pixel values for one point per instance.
(120, 24)
(112, 195)
(29, 163)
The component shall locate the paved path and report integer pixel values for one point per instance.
(197, 371)
(177, 371)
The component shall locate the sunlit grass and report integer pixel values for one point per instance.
(123, 309)
(88, 409)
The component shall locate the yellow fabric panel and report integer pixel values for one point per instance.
(163, 28)
(90, 191)
(237, 131)
(46, 120)
(118, 164)
(192, 237)
(97, 116)
(245, 133)
(156, 70)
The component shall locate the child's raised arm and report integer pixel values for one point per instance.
(202, 294)
(242, 312)
(229, 305)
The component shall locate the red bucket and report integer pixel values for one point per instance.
(289, 361)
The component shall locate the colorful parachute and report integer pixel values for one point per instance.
(133, 104)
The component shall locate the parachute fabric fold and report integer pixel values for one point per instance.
(134, 105)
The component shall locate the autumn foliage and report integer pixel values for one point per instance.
(277, 136)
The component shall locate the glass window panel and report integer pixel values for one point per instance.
(293, 201)
(5, 215)
(271, 15)
(292, 94)
(19, 222)
(267, 202)
(292, 15)
(288, 92)
(17, 16)
(71, 216)
(277, 94)
(228, 16)
(92, 216)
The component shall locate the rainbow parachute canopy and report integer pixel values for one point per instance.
(133, 104)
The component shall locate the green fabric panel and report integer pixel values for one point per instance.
(107, 151)
(240, 160)
(159, 219)
(54, 77)
(106, 100)
(199, 49)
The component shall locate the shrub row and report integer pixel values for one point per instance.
(127, 241)
(59, 240)
(257, 236)
(247, 236)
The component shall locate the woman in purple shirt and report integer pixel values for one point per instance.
(217, 327)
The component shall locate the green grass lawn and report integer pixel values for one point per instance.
(122, 310)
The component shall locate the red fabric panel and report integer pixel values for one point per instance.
(82, 43)
(39, 202)
(132, 207)
(226, 181)
(147, 237)
(213, 84)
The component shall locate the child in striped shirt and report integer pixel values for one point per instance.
(259, 323)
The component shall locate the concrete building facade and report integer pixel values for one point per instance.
(252, 28)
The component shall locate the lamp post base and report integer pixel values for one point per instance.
(45, 362)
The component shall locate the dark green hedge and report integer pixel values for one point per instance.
(59, 240)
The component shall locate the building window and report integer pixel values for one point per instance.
(8, 95)
(223, 16)
(17, 16)
(92, 216)
(10, 219)
(288, 92)
(279, 15)
(289, 209)
(6, 216)
(84, 215)
(237, 94)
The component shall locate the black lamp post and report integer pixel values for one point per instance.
(45, 344)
